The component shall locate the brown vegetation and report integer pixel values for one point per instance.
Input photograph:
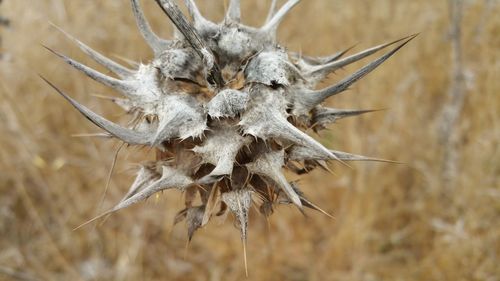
(393, 222)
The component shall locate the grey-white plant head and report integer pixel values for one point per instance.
(226, 108)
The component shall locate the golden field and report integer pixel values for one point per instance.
(392, 221)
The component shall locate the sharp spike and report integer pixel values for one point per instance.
(245, 256)
(323, 70)
(318, 97)
(324, 116)
(124, 87)
(124, 134)
(156, 43)
(171, 178)
(112, 66)
(272, 10)
(108, 181)
(354, 157)
(314, 61)
(336, 56)
(307, 203)
(302, 153)
(310, 205)
(234, 11)
(273, 24)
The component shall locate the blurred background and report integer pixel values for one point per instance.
(437, 217)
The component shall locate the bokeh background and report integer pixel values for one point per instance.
(437, 217)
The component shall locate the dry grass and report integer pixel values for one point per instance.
(393, 222)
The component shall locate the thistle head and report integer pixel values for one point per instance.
(227, 109)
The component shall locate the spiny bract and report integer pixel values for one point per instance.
(225, 106)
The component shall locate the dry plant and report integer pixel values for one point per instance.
(223, 105)
(241, 116)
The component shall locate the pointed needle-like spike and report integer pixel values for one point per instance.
(110, 174)
(126, 135)
(333, 65)
(112, 66)
(319, 96)
(124, 87)
(245, 257)
(354, 157)
(272, 10)
(191, 35)
(157, 44)
(310, 205)
(338, 55)
(273, 24)
(169, 180)
(330, 115)
(91, 220)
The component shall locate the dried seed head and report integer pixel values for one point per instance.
(226, 106)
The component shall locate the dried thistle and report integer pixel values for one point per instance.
(226, 108)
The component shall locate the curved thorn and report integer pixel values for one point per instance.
(325, 116)
(273, 24)
(112, 66)
(310, 205)
(124, 87)
(110, 174)
(234, 11)
(336, 64)
(318, 97)
(124, 134)
(336, 56)
(156, 43)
